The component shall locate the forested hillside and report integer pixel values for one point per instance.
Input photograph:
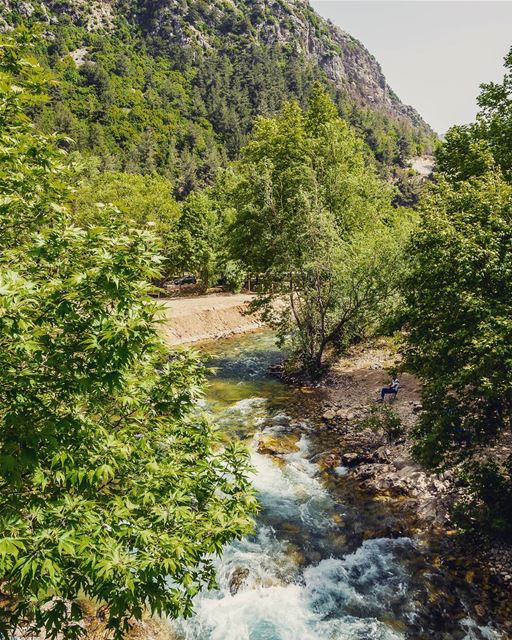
(174, 86)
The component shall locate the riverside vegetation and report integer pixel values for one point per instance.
(113, 485)
(97, 420)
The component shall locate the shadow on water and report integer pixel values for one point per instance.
(313, 569)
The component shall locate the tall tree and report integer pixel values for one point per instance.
(459, 309)
(471, 150)
(313, 216)
(112, 486)
(200, 238)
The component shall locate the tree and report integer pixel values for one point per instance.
(495, 118)
(473, 149)
(198, 232)
(464, 154)
(112, 486)
(144, 202)
(202, 231)
(459, 305)
(459, 309)
(313, 216)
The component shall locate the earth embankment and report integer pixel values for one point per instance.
(194, 319)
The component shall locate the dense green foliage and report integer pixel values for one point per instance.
(130, 109)
(487, 505)
(141, 201)
(112, 486)
(314, 218)
(459, 309)
(201, 237)
(191, 235)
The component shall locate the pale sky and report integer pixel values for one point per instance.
(434, 53)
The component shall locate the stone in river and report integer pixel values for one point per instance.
(329, 461)
(480, 611)
(237, 579)
(295, 555)
(277, 445)
(281, 420)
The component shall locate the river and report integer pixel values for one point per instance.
(312, 570)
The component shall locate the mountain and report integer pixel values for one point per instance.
(174, 85)
(288, 24)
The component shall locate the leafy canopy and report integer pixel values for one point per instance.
(315, 220)
(472, 150)
(459, 309)
(112, 485)
(141, 201)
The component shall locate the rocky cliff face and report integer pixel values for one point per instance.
(208, 25)
(289, 23)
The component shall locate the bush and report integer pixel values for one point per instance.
(488, 504)
(235, 275)
(386, 419)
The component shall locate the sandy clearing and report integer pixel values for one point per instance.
(424, 165)
(194, 319)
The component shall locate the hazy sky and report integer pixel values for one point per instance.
(434, 53)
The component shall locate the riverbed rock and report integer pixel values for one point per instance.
(480, 611)
(329, 462)
(270, 444)
(351, 459)
(281, 420)
(401, 461)
(329, 415)
(345, 414)
(382, 454)
(417, 407)
(237, 579)
(295, 555)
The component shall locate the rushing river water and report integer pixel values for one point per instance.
(307, 572)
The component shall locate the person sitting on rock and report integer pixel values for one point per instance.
(391, 388)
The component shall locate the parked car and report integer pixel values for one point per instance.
(185, 280)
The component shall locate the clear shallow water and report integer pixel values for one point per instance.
(306, 573)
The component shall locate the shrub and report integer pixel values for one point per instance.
(235, 275)
(386, 419)
(487, 505)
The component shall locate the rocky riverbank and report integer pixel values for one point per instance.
(368, 443)
(340, 490)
